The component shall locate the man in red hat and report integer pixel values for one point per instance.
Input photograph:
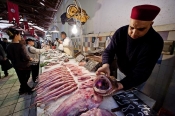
(137, 47)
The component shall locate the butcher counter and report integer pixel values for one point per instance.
(109, 103)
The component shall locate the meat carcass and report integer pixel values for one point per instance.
(75, 69)
(97, 112)
(79, 102)
(53, 85)
(83, 78)
(86, 84)
(45, 99)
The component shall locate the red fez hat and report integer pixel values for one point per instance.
(145, 12)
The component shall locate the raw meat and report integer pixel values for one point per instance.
(75, 69)
(87, 84)
(97, 112)
(79, 102)
(83, 78)
(54, 84)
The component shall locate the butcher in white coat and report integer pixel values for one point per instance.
(67, 42)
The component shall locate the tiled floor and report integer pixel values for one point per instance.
(11, 103)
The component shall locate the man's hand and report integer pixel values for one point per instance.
(5, 58)
(60, 41)
(104, 69)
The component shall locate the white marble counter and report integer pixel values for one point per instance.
(108, 102)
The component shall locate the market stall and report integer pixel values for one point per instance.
(65, 88)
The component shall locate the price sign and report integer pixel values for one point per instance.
(92, 65)
(131, 105)
(79, 58)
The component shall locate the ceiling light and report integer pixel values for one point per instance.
(42, 3)
(74, 29)
(4, 25)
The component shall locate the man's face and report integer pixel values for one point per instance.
(63, 36)
(138, 28)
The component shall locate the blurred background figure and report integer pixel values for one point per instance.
(17, 53)
(34, 54)
(5, 64)
(4, 44)
(23, 42)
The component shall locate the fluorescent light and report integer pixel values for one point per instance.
(30, 23)
(21, 19)
(4, 25)
(4, 21)
(42, 3)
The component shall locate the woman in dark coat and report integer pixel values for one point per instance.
(3, 60)
(16, 52)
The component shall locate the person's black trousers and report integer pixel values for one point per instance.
(35, 71)
(23, 76)
(6, 72)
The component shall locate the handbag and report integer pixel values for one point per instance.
(6, 65)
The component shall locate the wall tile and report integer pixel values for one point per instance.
(164, 34)
(171, 35)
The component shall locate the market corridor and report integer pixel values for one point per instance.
(11, 104)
